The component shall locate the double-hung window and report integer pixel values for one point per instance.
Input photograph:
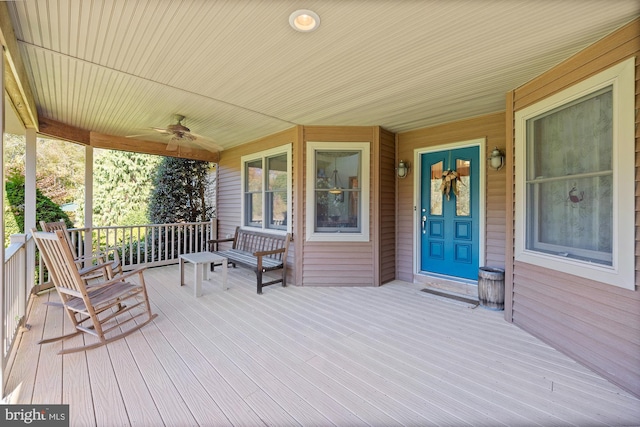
(575, 179)
(266, 187)
(337, 191)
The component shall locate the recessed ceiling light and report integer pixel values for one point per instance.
(304, 20)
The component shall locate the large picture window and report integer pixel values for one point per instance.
(266, 184)
(569, 191)
(337, 191)
(575, 176)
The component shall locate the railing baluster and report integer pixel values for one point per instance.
(168, 243)
(173, 242)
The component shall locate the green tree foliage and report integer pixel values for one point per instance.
(59, 171)
(59, 180)
(46, 209)
(122, 185)
(182, 192)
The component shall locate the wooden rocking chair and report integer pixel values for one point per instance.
(99, 257)
(93, 310)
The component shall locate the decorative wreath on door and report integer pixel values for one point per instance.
(450, 181)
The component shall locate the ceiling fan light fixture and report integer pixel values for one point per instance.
(304, 20)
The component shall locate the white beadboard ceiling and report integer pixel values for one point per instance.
(237, 71)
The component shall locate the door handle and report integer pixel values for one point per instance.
(424, 222)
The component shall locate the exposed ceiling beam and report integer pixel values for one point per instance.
(16, 80)
(111, 142)
(57, 130)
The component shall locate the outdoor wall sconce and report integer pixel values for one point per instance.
(496, 159)
(403, 169)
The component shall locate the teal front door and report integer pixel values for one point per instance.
(450, 212)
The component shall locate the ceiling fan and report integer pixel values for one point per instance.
(179, 133)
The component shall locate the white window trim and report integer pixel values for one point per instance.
(622, 271)
(283, 149)
(363, 235)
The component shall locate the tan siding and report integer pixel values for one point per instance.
(340, 264)
(359, 258)
(490, 127)
(387, 207)
(596, 323)
(229, 180)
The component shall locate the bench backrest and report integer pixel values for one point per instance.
(254, 241)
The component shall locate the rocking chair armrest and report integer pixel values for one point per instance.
(88, 257)
(119, 278)
(99, 254)
(93, 268)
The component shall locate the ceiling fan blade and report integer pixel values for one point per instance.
(140, 135)
(162, 130)
(206, 143)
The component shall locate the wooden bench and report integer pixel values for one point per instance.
(261, 252)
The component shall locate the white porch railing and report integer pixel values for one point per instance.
(14, 296)
(148, 245)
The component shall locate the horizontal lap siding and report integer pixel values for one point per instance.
(387, 207)
(229, 181)
(595, 323)
(338, 264)
(490, 127)
(495, 225)
(341, 263)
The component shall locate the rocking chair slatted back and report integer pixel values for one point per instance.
(52, 227)
(112, 255)
(61, 262)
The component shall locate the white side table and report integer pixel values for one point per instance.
(201, 262)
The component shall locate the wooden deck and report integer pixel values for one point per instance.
(312, 357)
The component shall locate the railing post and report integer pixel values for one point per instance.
(88, 202)
(22, 286)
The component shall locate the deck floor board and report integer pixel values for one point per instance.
(301, 356)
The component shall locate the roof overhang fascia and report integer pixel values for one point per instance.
(16, 81)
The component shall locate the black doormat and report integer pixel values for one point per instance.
(450, 296)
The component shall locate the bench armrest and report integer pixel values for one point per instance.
(260, 254)
(272, 252)
(213, 244)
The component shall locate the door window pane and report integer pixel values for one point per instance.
(463, 187)
(436, 191)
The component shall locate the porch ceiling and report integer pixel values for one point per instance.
(237, 71)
